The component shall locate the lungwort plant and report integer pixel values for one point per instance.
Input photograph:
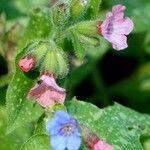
(68, 28)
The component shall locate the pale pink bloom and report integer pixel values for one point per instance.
(101, 145)
(26, 64)
(116, 27)
(47, 92)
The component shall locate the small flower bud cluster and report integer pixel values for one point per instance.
(44, 56)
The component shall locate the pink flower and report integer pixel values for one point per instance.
(26, 64)
(101, 145)
(47, 92)
(116, 27)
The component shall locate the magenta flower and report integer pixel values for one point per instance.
(116, 27)
(26, 64)
(101, 145)
(47, 92)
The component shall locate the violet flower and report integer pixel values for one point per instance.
(116, 27)
(47, 92)
(64, 132)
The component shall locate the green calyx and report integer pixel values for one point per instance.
(55, 61)
(61, 13)
(48, 57)
(88, 28)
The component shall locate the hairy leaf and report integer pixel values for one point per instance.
(37, 142)
(117, 125)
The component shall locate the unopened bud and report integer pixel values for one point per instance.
(92, 141)
(88, 28)
(61, 13)
(26, 64)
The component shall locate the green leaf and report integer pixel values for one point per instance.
(3, 95)
(37, 142)
(118, 125)
(40, 26)
(12, 141)
(20, 110)
(93, 9)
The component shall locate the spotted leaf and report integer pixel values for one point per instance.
(117, 125)
(20, 111)
(37, 141)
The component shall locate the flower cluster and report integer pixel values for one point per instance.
(64, 131)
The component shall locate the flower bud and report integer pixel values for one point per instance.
(26, 64)
(101, 145)
(55, 62)
(47, 58)
(89, 137)
(89, 41)
(61, 12)
(92, 141)
(78, 8)
(88, 28)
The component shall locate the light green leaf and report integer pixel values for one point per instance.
(117, 125)
(37, 142)
(14, 140)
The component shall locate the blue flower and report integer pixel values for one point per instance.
(64, 132)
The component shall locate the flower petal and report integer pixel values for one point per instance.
(118, 12)
(119, 42)
(58, 142)
(101, 145)
(73, 142)
(45, 99)
(115, 27)
(58, 97)
(63, 117)
(37, 91)
(47, 92)
(124, 26)
(50, 82)
(53, 127)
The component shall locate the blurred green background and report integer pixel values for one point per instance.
(105, 77)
